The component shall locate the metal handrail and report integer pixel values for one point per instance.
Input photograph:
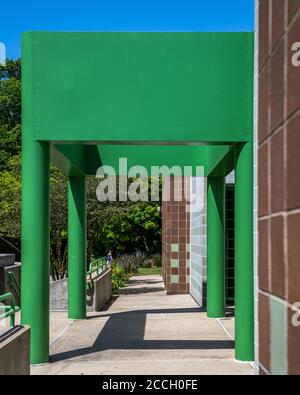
(11, 309)
(98, 266)
(13, 284)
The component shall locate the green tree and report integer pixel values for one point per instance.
(10, 214)
(10, 207)
(123, 227)
(58, 224)
(10, 111)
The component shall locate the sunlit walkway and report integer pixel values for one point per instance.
(143, 331)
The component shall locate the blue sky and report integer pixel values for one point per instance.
(121, 15)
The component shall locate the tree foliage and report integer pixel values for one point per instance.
(10, 214)
(10, 206)
(58, 224)
(123, 227)
(10, 111)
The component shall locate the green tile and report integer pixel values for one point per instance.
(187, 262)
(187, 246)
(174, 279)
(174, 247)
(187, 279)
(174, 263)
(278, 336)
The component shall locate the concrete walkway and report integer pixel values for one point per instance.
(143, 331)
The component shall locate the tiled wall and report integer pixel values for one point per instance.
(175, 236)
(229, 244)
(198, 232)
(279, 186)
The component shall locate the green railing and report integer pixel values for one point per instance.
(96, 266)
(13, 284)
(9, 310)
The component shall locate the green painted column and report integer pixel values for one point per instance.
(35, 244)
(215, 247)
(77, 247)
(244, 292)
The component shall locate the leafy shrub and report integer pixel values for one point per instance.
(119, 277)
(129, 263)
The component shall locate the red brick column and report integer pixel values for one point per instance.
(175, 236)
(279, 187)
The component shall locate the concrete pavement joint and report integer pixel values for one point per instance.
(228, 334)
(62, 333)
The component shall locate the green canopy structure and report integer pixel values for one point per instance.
(157, 99)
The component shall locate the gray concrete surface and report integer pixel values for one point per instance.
(100, 292)
(59, 295)
(59, 323)
(97, 296)
(143, 331)
(15, 350)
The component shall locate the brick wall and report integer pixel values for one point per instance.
(279, 186)
(175, 236)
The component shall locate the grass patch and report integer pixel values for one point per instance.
(144, 271)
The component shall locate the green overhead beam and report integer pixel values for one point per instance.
(217, 160)
(220, 160)
(148, 156)
(140, 87)
(81, 159)
(76, 159)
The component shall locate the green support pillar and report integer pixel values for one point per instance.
(77, 248)
(35, 244)
(215, 247)
(244, 292)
